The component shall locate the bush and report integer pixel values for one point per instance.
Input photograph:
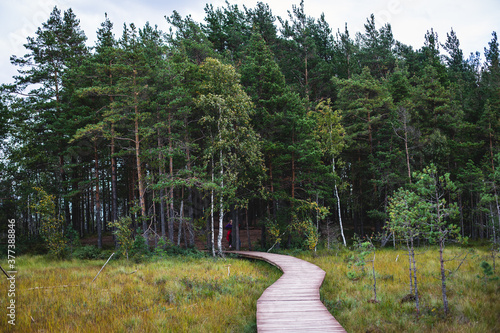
(29, 245)
(123, 234)
(87, 252)
(52, 224)
(167, 248)
(139, 250)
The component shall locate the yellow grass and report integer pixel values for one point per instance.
(474, 304)
(170, 295)
(185, 294)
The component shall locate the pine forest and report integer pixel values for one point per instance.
(281, 124)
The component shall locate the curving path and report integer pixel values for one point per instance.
(292, 304)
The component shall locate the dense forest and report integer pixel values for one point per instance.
(277, 123)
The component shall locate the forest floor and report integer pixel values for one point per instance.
(200, 240)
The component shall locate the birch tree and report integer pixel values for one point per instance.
(232, 143)
(330, 135)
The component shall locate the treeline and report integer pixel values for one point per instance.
(277, 123)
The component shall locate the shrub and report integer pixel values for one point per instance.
(139, 250)
(123, 234)
(87, 252)
(52, 224)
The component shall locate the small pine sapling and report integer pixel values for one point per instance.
(371, 247)
(433, 190)
(488, 273)
(123, 234)
(406, 220)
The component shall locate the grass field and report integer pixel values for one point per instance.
(200, 294)
(474, 302)
(178, 294)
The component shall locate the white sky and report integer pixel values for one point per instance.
(473, 21)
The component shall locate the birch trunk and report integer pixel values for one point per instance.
(221, 205)
(212, 233)
(338, 204)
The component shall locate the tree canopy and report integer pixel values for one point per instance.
(276, 121)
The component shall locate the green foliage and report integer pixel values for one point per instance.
(87, 252)
(275, 233)
(487, 272)
(72, 236)
(329, 131)
(433, 190)
(357, 259)
(161, 246)
(139, 248)
(302, 221)
(123, 234)
(260, 118)
(52, 224)
(406, 214)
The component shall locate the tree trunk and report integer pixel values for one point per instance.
(236, 230)
(221, 205)
(493, 224)
(415, 285)
(97, 198)
(406, 144)
(140, 177)
(171, 191)
(181, 220)
(443, 276)
(161, 192)
(410, 265)
(248, 231)
(374, 278)
(212, 233)
(75, 202)
(190, 224)
(338, 204)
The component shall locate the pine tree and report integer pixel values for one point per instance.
(45, 116)
(433, 190)
(365, 103)
(376, 49)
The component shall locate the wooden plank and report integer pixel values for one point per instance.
(292, 303)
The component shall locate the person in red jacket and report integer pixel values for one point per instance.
(229, 228)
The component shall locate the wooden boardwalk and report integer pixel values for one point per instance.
(292, 304)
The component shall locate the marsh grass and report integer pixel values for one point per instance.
(474, 305)
(187, 294)
(178, 294)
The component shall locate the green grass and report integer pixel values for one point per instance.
(474, 304)
(177, 294)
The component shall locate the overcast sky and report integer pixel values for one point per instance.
(473, 21)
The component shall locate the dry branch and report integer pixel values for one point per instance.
(103, 266)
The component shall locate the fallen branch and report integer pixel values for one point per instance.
(7, 275)
(103, 266)
(63, 286)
